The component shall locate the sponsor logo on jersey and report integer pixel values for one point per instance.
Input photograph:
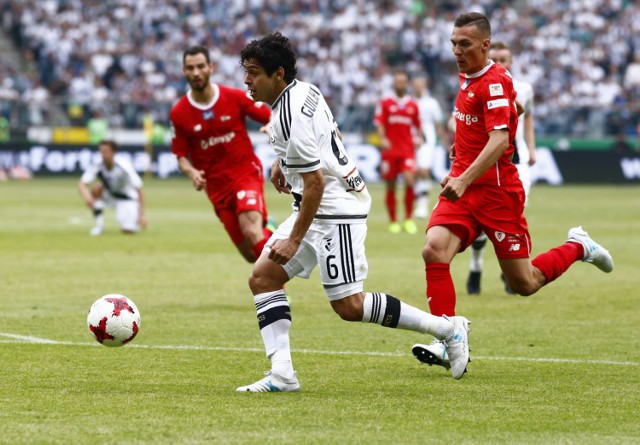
(400, 119)
(354, 181)
(514, 247)
(224, 118)
(207, 115)
(225, 138)
(495, 89)
(466, 118)
(500, 236)
(497, 103)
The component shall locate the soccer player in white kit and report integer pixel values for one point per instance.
(524, 157)
(119, 187)
(432, 120)
(328, 225)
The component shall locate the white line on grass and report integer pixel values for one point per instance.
(17, 339)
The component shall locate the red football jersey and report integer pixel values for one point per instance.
(399, 116)
(486, 102)
(214, 136)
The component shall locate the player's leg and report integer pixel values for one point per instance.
(424, 181)
(127, 211)
(251, 213)
(475, 266)
(389, 173)
(527, 276)
(267, 282)
(97, 192)
(409, 177)
(343, 269)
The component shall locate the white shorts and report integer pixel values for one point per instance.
(338, 249)
(525, 177)
(424, 156)
(127, 211)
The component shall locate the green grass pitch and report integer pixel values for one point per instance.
(560, 367)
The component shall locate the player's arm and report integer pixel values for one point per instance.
(454, 188)
(385, 144)
(197, 176)
(87, 197)
(419, 139)
(142, 219)
(283, 250)
(258, 111)
(278, 180)
(442, 134)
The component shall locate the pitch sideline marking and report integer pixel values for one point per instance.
(21, 339)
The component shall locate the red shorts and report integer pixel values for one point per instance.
(498, 211)
(245, 196)
(392, 165)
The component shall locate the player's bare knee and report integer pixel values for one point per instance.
(522, 288)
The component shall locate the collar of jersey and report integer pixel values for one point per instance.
(214, 99)
(287, 88)
(481, 72)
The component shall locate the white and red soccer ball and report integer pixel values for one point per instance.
(114, 320)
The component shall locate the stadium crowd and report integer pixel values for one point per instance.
(123, 57)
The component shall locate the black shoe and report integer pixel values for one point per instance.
(507, 288)
(473, 283)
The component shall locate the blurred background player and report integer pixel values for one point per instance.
(432, 119)
(397, 120)
(213, 148)
(119, 187)
(524, 157)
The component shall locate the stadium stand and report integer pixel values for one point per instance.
(123, 57)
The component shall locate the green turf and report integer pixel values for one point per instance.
(562, 366)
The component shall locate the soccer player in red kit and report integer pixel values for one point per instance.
(213, 148)
(483, 190)
(398, 122)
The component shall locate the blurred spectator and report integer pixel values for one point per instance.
(125, 55)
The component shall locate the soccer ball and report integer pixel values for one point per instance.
(114, 320)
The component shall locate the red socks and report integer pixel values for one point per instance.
(390, 201)
(257, 247)
(441, 294)
(409, 199)
(556, 261)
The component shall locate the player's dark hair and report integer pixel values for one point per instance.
(110, 142)
(499, 45)
(474, 19)
(271, 52)
(196, 49)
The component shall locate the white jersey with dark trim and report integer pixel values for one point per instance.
(121, 182)
(304, 136)
(524, 95)
(430, 115)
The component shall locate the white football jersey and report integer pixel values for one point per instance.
(121, 182)
(304, 136)
(430, 115)
(524, 94)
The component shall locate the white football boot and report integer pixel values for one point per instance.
(453, 353)
(96, 231)
(272, 383)
(594, 253)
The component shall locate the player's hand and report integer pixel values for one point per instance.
(278, 180)
(199, 181)
(532, 158)
(266, 129)
(283, 250)
(385, 144)
(452, 188)
(452, 151)
(142, 221)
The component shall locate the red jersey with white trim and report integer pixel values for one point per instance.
(486, 102)
(399, 117)
(214, 136)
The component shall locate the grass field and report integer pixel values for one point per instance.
(562, 366)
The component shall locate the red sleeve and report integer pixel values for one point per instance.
(497, 106)
(179, 140)
(381, 114)
(258, 111)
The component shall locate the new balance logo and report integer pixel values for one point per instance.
(514, 247)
